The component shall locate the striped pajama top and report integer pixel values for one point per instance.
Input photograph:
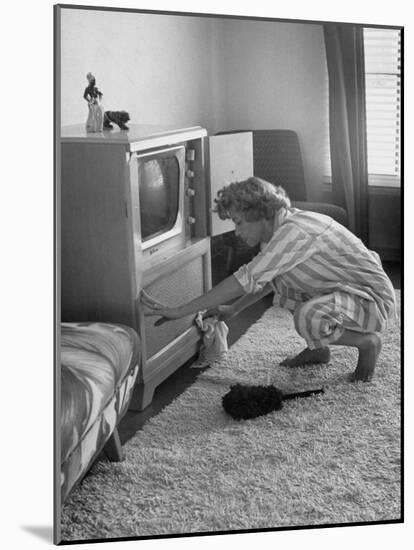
(311, 255)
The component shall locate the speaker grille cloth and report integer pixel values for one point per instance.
(181, 286)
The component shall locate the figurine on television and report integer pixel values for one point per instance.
(93, 96)
(117, 117)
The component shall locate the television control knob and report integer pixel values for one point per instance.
(190, 192)
(191, 220)
(190, 155)
(189, 174)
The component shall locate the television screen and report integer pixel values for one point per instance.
(159, 187)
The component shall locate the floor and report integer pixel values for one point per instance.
(178, 382)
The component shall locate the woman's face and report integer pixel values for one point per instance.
(252, 233)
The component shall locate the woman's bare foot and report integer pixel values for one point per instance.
(369, 351)
(308, 357)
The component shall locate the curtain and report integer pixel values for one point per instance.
(347, 122)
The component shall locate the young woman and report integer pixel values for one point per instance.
(333, 285)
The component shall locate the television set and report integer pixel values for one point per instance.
(134, 217)
(162, 211)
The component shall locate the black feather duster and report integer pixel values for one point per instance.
(245, 401)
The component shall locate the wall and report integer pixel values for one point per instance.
(218, 73)
(384, 222)
(275, 78)
(156, 67)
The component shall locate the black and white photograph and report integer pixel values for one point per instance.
(203, 338)
(204, 270)
(229, 229)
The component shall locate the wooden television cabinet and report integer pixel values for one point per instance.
(103, 267)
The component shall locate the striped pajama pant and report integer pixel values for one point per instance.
(323, 319)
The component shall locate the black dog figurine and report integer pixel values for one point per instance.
(117, 117)
(244, 401)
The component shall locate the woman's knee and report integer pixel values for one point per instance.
(304, 320)
(312, 322)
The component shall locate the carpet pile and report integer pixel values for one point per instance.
(332, 458)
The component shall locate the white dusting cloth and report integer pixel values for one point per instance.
(214, 345)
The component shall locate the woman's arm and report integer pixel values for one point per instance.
(227, 290)
(225, 312)
(248, 299)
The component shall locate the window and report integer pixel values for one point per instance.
(383, 106)
(382, 82)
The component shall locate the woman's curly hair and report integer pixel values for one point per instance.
(255, 197)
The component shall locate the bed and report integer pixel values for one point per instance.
(99, 366)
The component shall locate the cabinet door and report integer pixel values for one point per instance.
(230, 158)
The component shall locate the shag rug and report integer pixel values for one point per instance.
(332, 458)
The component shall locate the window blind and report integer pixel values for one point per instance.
(382, 49)
(383, 107)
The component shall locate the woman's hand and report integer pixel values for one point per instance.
(223, 313)
(154, 307)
